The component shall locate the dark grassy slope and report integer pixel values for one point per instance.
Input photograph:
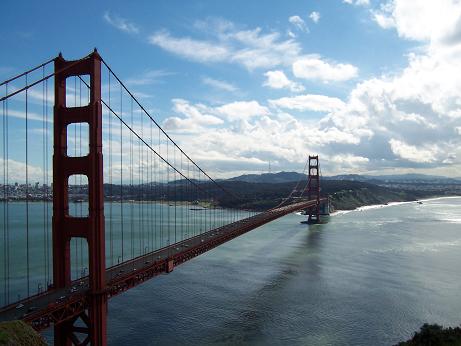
(18, 333)
(434, 335)
(344, 195)
(261, 196)
(350, 196)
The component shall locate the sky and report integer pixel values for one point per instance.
(371, 86)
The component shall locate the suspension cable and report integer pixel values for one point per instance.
(27, 72)
(292, 191)
(166, 134)
(28, 86)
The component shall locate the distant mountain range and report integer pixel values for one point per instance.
(398, 178)
(271, 178)
(285, 177)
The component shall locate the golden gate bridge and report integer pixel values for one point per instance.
(113, 223)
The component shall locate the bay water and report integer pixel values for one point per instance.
(367, 277)
(371, 276)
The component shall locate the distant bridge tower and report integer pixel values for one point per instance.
(313, 190)
(65, 226)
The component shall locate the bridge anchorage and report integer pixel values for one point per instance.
(115, 223)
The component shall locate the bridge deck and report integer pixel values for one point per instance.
(58, 305)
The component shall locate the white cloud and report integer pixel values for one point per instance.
(242, 110)
(31, 116)
(412, 116)
(250, 48)
(17, 171)
(316, 103)
(299, 23)
(148, 77)
(278, 80)
(315, 16)
(314, 68)
(438, 22)
(251, 135)
(189, 48)
(400, 122)
(219, 84)
(384, 21)
(412, 153)
(346, 160)
(357, 2)
(291, 34)
(194, 117)
(120, 23)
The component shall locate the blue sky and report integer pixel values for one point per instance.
(367, 84)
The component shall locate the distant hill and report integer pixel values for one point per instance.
(344, 194)
(286, 177)
(270, 178)
(397, 178)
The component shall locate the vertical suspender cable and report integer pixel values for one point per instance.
(131, 181)
(151, 192)
(168, 194)
(111, 191)
(121, 174)
(197, 225)
(7, 198)
(200, 217)
(214, 210)
(187, 221)
(160, 188)
(27, 193)
(80, 176)
(47, 196)
(44, 175)
(75, 179)
(140, 205)
(175, 187)
(182, 199)
(147, 192)
(155, 195)
(143, 191)
(5, 202)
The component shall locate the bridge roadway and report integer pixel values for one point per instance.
(58, 305)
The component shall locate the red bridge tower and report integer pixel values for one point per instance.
(90, 228)
(313, 189)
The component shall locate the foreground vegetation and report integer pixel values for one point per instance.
(344, 194)
(18, 333)
(434, 335)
